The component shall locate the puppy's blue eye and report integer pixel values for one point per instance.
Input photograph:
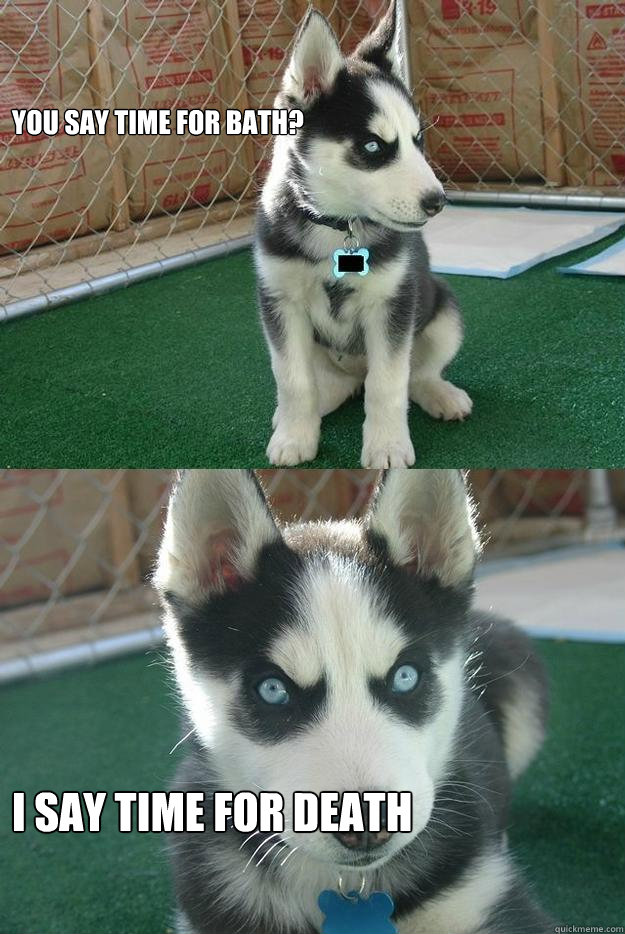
(405, 679)
(372, 146)
(273, 691)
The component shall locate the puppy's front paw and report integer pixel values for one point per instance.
(441, 399)
(380, 449)
(292, 443)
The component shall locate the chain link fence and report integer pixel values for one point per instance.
(77, 546)
(523, 99)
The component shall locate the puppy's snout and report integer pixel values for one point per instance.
(433, 202)
(368, 839)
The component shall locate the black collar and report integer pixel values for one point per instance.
(336, 223)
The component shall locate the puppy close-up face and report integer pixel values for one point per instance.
(322, 657)
(360, 151)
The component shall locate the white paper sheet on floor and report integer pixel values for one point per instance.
(610, 262)
(502, 242)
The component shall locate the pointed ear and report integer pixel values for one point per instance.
(217, 522)
(381, 47)
(427, 520)
(315, 61)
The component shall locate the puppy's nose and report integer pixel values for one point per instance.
(363, 841)
(433, 202)
(368, 839)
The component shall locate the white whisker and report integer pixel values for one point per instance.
(248, 838)
(180, 742)
(289, 855)
(277, 854)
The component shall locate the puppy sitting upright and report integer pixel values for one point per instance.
(346, 657)
(354, 180)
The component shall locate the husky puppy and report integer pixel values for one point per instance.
(358, 158)
(345, 656)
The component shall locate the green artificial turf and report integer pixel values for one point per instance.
(112, 727)
(174, 372)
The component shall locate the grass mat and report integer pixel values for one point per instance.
(174, 372)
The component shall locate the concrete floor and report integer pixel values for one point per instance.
(576, 593)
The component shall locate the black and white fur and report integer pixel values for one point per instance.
(395, 329)
(332, 609)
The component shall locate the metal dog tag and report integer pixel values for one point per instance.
(353, 914)
(351, 261)
(353, 257)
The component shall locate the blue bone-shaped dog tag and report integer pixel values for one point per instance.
(356, 915)
(351, 261)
